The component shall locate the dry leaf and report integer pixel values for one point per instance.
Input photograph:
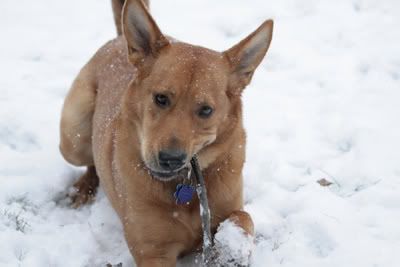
(324, 182)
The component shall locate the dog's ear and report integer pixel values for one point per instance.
(143, 36)
(245, 57)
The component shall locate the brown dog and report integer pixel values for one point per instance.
(137, 113)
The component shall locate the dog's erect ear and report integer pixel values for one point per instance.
(245, 57)
(144, 38)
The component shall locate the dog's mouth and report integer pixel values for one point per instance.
(169, 175)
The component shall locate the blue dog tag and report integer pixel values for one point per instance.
(183, 193)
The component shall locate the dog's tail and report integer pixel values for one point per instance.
(117, 6)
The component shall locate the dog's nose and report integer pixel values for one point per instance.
(171, 159)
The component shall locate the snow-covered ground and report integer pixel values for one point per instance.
(324, 104)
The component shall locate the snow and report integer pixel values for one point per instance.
(232, 243)
(324, 104)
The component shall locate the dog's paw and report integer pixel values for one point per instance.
(80, 194)
(84, 190)
(233, 246)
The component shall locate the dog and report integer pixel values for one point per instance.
(136, 114)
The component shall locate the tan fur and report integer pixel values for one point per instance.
(110, 121)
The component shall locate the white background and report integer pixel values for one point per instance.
(325, 103)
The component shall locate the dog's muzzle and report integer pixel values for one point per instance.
(170, 175)
(171, 160)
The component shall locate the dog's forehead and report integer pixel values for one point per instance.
(188, 64)
(193, 69)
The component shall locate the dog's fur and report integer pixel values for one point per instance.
(111, 124)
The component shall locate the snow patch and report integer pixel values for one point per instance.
(232, 245)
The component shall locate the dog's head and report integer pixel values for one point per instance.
(184, 95)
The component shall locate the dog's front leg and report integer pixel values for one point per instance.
(155, 262)
(149, 247)
(153, 254)
(243, 220)
(234, 240)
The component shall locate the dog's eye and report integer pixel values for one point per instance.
(205, 112)
(161, 100)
